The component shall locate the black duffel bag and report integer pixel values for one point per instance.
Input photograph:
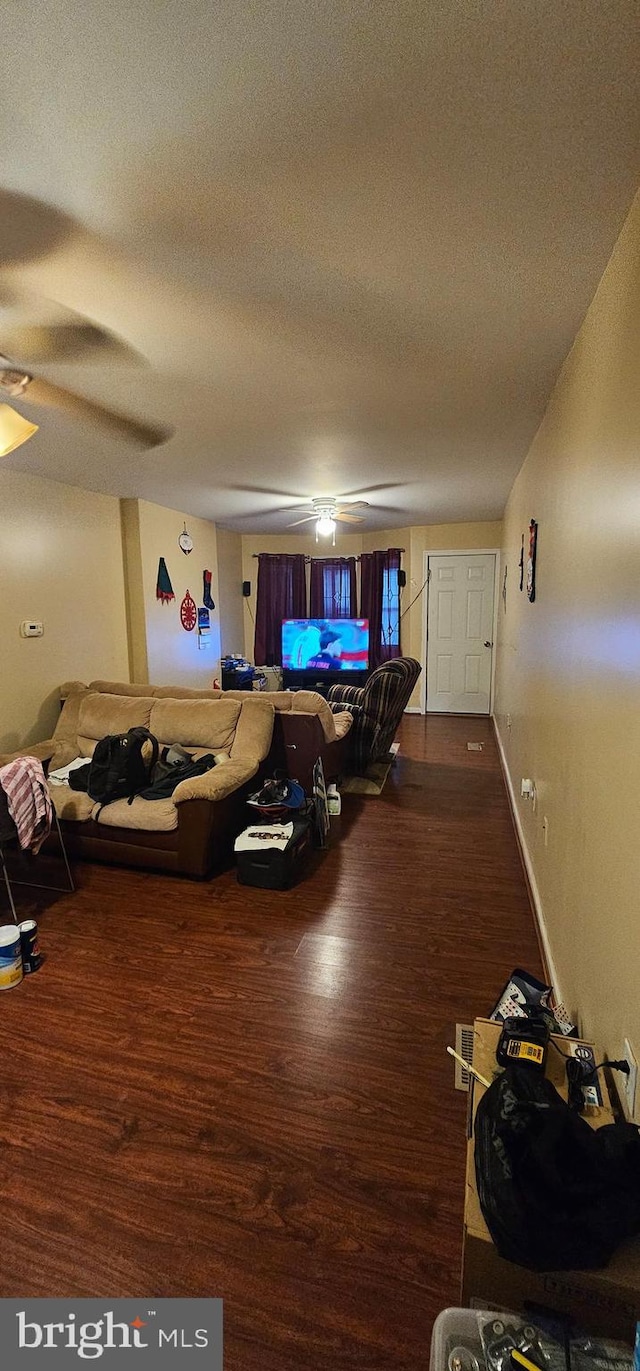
(556, 1194)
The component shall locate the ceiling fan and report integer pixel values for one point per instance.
(39, 332)
(326, 511)
(21, 385)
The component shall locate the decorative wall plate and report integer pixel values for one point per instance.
(188, 613)
(185, 541)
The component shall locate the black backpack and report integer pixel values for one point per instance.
(118, 770)
(556, 1194)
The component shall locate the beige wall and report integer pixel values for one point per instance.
(569, 664)
(60, 562)
(172, 654)
(230, 580)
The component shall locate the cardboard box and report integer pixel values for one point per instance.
(603, 1302)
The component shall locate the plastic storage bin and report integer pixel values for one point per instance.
(458, 1328)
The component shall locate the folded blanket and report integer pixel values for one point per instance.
(28, 801)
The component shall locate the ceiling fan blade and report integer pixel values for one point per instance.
(352, 504)
(38, 344)
(311, 518)
(270, 490)
(40, 392)
(372, 490)
(348, 518)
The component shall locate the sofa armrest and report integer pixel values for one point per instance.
(344, 718)
(216, 784)
(43, 752)
(345, 695)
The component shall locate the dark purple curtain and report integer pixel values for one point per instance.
(282, 594)
(380, 603)
(333, 588)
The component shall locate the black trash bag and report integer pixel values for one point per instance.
(556, 1194)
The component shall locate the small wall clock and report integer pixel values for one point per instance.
(185, 541)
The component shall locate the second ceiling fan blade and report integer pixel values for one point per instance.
(40, 392)
(40, 343)
(311, 518)
(349, 518)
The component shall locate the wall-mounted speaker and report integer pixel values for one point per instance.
(402, 578)
(246, 589)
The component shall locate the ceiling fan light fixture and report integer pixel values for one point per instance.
(326, 527)
(14, 429)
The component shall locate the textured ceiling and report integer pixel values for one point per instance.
(352, 242)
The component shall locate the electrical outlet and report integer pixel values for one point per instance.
(629, 1082)
(509, 722)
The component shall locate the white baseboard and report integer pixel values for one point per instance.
(543, 932)
(413, 709)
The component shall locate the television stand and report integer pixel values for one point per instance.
(320, 680)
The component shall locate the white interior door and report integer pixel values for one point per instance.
(460, 632)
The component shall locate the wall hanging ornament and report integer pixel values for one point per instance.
(188, 613)
(504, 588)
(185, 541)
(164, 588)
(521, 563)
(531, 560)
(206, 590)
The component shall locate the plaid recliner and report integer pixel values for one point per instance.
(377, 709)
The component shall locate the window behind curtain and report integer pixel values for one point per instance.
(380, 603)
(390, 629)
(333, 588)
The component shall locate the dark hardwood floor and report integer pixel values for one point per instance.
(210, 1090)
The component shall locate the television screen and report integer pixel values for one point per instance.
(325, 644)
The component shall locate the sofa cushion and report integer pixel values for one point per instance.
(183, 693)
(121, 688)
(102, 714)
(196, 723)
(280, 699)
(254, 731)
(154, 816)
(71, 804)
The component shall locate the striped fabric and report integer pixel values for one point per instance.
(377, 707)
(28, 801)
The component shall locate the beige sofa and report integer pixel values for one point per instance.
(193, 831)
(305, 726)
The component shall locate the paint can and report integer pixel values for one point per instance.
(31, 955)
(10, 956)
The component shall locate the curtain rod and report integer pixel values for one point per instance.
(356, 556)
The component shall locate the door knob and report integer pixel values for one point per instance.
(487, 643)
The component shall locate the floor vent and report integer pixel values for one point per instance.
(464, 1048)
(475, 747)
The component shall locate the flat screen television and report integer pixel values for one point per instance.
(325, 644)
